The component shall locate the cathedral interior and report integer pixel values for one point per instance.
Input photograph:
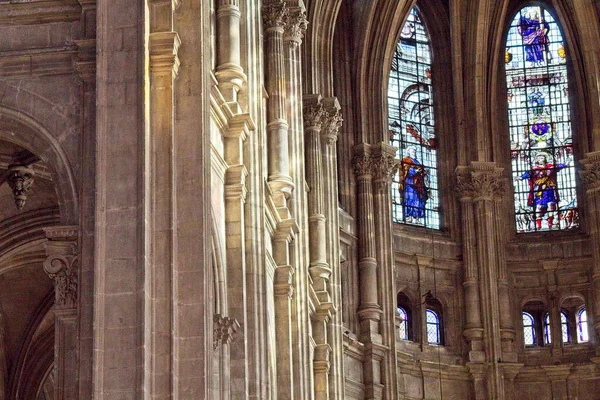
(300, 199)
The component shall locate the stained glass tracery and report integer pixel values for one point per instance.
(411, 127)
(543, 172)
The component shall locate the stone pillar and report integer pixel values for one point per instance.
(283, 292)
(275, 14)
(62, 267)
(558, 375)
(473, 330)
(164, 67)
(384, 166)
(591, 178)
(332, 121)
(3, 357)
(235, 135)
(229, 73)
(485, 185)
(369, 310)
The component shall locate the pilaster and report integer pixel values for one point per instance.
(62, 267)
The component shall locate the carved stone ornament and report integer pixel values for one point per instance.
(480, 185)
(295, 27)
(332, 122)
(62, 269)
(362, 165)
(275, 15)
(20, 180)
(591, 174)
(313, 116)
(384, 167)
(223, 330)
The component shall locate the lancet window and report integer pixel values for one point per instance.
(539, 116)
(415, 196)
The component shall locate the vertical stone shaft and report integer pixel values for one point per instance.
(473, 331)
(229, 73)
(274, 17)
(384, 165)
(62, 266)
(591, 178)
(3, 357)
(329, 135)
(507, 329)
(235, 135)
(164, 66)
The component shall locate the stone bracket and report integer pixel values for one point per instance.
(224, 329)
(61, 264)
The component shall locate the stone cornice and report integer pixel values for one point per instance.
(47, 61)
(164, 47)
(39, 12)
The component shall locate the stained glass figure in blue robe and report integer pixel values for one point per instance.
(413, 185)
(534, 31)
(543, 189)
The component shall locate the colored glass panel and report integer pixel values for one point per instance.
(415, 194)
(543, 172)
(403, 328)
(564, 326)
(582, 326)
(547, 330)
(528, 330)
(433, 327)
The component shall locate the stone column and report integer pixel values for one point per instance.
(369, 310)
(283, 292)
(486, 186)
(332, 121)
(62, 267)
(275, 14)
(3, 357)
(164, 67)
(383, 168)
(591, 178)
(473, 330)
(558, 375)
(235, 135)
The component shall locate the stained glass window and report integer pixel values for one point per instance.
(415, 195)
(543, 172)
(433, 327)
(564, 327)
(582, 326)
(528, 329)
(403, 324)
(547, 330)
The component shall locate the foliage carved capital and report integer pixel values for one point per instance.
(480, 183)
(384, 166)
(275, 15)
(313, 116)
(332, 122)
(295, 27)
(362, 165)
(224, 329)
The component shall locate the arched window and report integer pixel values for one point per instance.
(415, 195)
(547, 329)
(582, 326)
(433, 327)
(528, 329)
(403, 328)
(539, 116)
(564, 327)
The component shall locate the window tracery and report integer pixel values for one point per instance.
(543, 172)
(415, 196)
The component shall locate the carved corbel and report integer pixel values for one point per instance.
(224, 329)
(61, 265)
(20, 179)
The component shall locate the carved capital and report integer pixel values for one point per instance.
(295, 27)
(223, 330)
(313, 116)
(362, 165)
(481, 182)
(20, 179)
(590, 175)
(332, 122)
(275, 15)
(384, 166)
(164, 48)
(61, 264)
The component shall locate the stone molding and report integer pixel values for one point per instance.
(20, 179)
(295, 27)
(85, 60)
(224, 329)
(49, 61)
(590, 175)
(481, 181)
(275, 16)
(40, 12)
(164, 48)
(61, 264)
